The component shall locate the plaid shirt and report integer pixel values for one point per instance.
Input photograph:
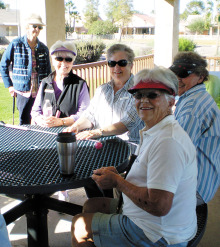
(18, 53)
(107, 108)
(34, 77)
(199, 116)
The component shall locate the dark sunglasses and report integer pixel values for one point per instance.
(150, 95)
(39, 27)
(67, 59)
(121, 63)
(183, 73)
(183, 70)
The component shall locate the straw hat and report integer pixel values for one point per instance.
(35, 19)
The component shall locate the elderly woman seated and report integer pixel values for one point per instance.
(67, 93)
(111, 110)
(198, 114)
(159, 192)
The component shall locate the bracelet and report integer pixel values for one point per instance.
(100, 132)
(63, 121)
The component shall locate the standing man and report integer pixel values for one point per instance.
(30, 63)
(198, 114)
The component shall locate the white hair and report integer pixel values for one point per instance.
(161, 74)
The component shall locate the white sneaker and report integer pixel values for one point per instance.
(63, 196)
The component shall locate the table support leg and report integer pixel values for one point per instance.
(17, 211)
(36, 209)
(61, 206)
(37, 228)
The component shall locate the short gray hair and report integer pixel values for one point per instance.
(121, 47)
(161, 74)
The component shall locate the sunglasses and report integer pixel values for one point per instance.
(39, 27)
(184, 73)
(150, 95)
(183, 70)
(67, 59)
(121, 63)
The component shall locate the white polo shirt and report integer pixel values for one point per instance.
(166, 161)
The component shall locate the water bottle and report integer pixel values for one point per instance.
(47, 109)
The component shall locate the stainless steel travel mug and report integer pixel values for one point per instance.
(66, 148)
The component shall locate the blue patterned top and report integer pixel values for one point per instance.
(198, 114)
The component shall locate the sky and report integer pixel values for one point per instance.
(145, 8)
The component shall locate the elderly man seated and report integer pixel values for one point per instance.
(159, 192)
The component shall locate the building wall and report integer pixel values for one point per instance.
(11, 31)
(8, 30)
(139, 22)
(2, 31)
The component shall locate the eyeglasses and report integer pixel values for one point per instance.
(183, 73)
(150, 95)
(67, 59)
(121, 63)
(39, 27)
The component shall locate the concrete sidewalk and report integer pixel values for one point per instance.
(59, 225)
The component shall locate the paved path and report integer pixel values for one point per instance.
(59, 225)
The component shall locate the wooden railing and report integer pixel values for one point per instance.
(98, 73)
(213, 63)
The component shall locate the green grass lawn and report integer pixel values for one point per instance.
(6, 107)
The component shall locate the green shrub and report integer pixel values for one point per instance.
(89, 51)
(1, 53)
(102, 28)
(198, 26)
(186, 45)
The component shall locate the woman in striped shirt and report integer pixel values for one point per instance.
(198, 114)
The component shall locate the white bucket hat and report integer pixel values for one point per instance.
(35, 19)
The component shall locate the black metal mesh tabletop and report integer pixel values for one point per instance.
(29, 161)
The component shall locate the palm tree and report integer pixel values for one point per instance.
(70, 9)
